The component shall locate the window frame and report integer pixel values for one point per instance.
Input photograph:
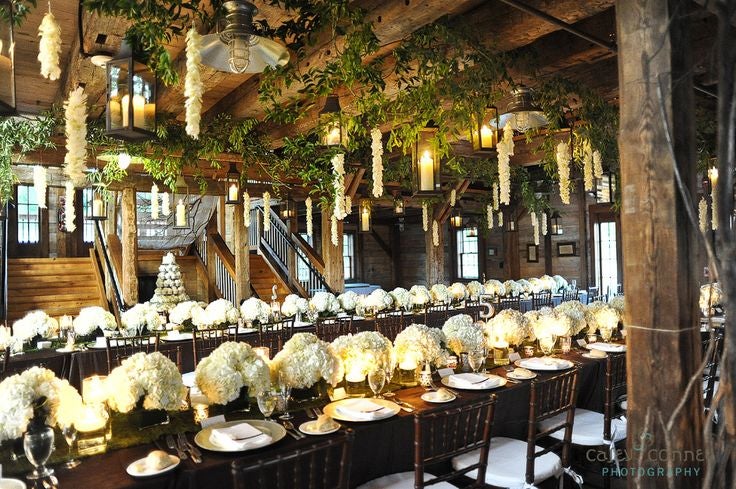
(461, 242)
(25, 226)
(348, 241)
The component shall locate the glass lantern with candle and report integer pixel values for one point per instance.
(331, 124)
(399, 205)
(364, 216)
(484, 131)
(232, 185)
(456, 220)
(181, 198)
(99, 204)
(426, 164)
(287, 210)
(131, 98)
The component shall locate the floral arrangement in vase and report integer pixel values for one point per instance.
(419, 344)
(184, 313)
(619, 304)
(514, 288)
(508, 325)
(362, 352)
(35, 324)
(218, 314)
(420, 296)
(475, 289)
(602, 318)
(148, 379)
(324, 304)
(91, 319)
(560, 283)
(575, 310)
(141, 318)
(305, 360)
(7, 340)
(495, 287)
(254, 310)
(526, 286)
(348, 301)
(440, 293)
(222, 375)
(548, 283)
(377, 301)
(293, 305)
(458, 292)
(36, 393)
(401, 298)
(462, 335)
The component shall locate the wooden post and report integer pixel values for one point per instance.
(332, 254)
(435, 255)
(242, 255)
(129, 241)
(659, 244)
(211, 266)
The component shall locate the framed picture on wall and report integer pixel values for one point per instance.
(532, 253)
(567, 249)
(492, 252)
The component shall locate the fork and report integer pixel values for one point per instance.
(290, 428)
(173, 446)
(184, 444)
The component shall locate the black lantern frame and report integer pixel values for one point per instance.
(399, 205)
(555, 226)
(484, 130)
(471, 229)
(456, 219)
(364, 216)
(232, 185)
(7, 60)
(131, 98)
(287, 210)
(509, 224)
(332, 130)
(426, 164)
(98, 206)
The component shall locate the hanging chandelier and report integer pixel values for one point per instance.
(522, 113)
(236, 47)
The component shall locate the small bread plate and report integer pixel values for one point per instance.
(140, 469)
(515, 376)
(495, 383)
(12, 484)
(435, 398)
(270, 428)
(337, 410)
(310, 428)
(594, 357)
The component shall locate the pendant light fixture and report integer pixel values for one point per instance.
(484, 131)
(555, 225)
(98, 210)
(232, 185)
(523, 114)
(364, 216)
(471, 230)
(237, 47)
(426, 163)
(287, 210)
(399, 205)
(332, 131)
(7, 60)
(181, 201)
(456, 219)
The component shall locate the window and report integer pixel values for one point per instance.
(467, 255)
(606, 254)
(28, 223)
(348, 255)
(88, 234)
(302, 270)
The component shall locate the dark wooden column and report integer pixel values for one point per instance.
(435, 254)
(658, 241)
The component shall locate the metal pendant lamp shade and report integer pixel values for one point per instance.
(522, 113)
(236, 48)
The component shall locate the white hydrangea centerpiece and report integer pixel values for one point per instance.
(254, 310)
(495, 287)
(462, 335)
(420, 296)
(402, 298)
(458, 292)
(305, 360)
(141, 318)
(711, 296)
(363, 352)
(293, 305)
(324, 304)
(601, 317)
(419, 344)
(220, 313)
(33, 324)
(619, 304)
(575, 310)
(348, 301)
(149, 379)
(475, 289)
(91, 319)
(508, 325)
(440, 293)
(513, 288)
(232, 366)
(184, 312)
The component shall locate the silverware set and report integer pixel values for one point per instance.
(182, 445)
(293, 432)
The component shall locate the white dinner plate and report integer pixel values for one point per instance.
(332, 411)
(588, 355)
(308, 428)
(272, 429)
(435, 399)
(500, 382)
(554, 364)
(607, 347)
(139, 469)
(181, 337)
(512, 375)
(12, 484)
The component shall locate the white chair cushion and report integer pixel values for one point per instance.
(507, 463)
(402, 480)
(587, 430)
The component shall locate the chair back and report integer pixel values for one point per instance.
(444, 433)
(205, 341)
(711, 357)
(569, 295)
(541, 299)
(321, 465)
(5, 364)
(436, 315)
(118, 349)
(508, 303)
(327, 329)
(473, 309)
(593, 294)
(274, 335)
(549, 398)
(615, 387)
(389, 324)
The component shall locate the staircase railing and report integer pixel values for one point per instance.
(103, 253)
(223, 261)
(278, 244)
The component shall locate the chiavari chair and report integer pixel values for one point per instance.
(569, 295)
(390, 324)
(541, 299)
(327, 329)
(118, 349)
(274, 335)
(436, 315)
(508, 303)
(205, 341)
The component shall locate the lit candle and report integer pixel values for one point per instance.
(93, 389)
(97, 208)
(355, 375)
(332, 136)
(149, 114)
(408, 364)
(232, 194)
(115, 114)
(90, 419)
(365, 217)
(138, 110)
(713, 175)
(181, 214)
(426, 171)
(486, 136)
(263, 351)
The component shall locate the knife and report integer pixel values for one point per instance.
(185, 445)
(405, 406)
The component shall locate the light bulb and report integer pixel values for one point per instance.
(239, 54)
(123, 160)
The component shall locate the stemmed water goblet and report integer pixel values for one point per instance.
(376, 381)
(547, 344)
(285, 394)
(267, 401)
(476, 359)
(389, 370)
(70, 435)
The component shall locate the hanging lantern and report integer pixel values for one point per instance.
(232, 184)
(399, 206)
(522, 113)
(98, 211)
(484, 132)
(472, 228)
(181, 200)
(456, 220)
(555, 225)
(364, 217)
(131, 98)
(333, 132)
(509, 224)
(288, 210)
(426, 164)
(7, 60)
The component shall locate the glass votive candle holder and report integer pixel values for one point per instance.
(565, 344)
(200, 412)
(501, 353)
(425, 378)
(355, 384)
(528, 351)
(92, 429)
(93, 389)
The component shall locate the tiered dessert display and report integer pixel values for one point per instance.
(170, 289)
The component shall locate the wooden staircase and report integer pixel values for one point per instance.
(57, 286)
(262, 278)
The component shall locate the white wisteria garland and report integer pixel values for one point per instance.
(348, 204)
(266, 211)
(49, 46)
(588, 167)
(544, 224)
(505, 152)
(703, 215)
(39, 185)
(496, 199)
(453, 197)
(338, 168)
(435, 233)
(308, 204)
(246, 209)
(714, 207)
(69, 215)
(377, 153)
(563, 170)
(165, 204)
(425, 217)
(597, 164)
(489, 216)
(75, 129)
(193, 87)
(333, 230)
(154, 201)
(535, 227)
(500, 219)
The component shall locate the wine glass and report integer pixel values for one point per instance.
(285, 394)
(547, 344)
(476, 359)
(376, 380)
(70, 435)
(38, 445)
(389, 371)
(267, 401)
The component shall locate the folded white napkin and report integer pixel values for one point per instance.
(239, 437)
(540, 363)
(472, 381)
(607, 346)
(361, 409)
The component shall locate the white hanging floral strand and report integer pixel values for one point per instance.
(49, 46)
(535, 227)
(246, 209)
(505, 151)
(348, 205)
(714, 207)
(75, 113)
(266, 211)
(154, 201)
(435, 233)
(377, 153)
(425, 217)
(308, 204)
(597, 164)
(165, 204)
(333, 230)
(489, 216)
(193, 88)
(338, 168)
(39, 185)
(544, 224)
(453, 197)
(500, 219)
(588, 167)
(563, 170)
(69, 215)
(703, 215)
(495, 196)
